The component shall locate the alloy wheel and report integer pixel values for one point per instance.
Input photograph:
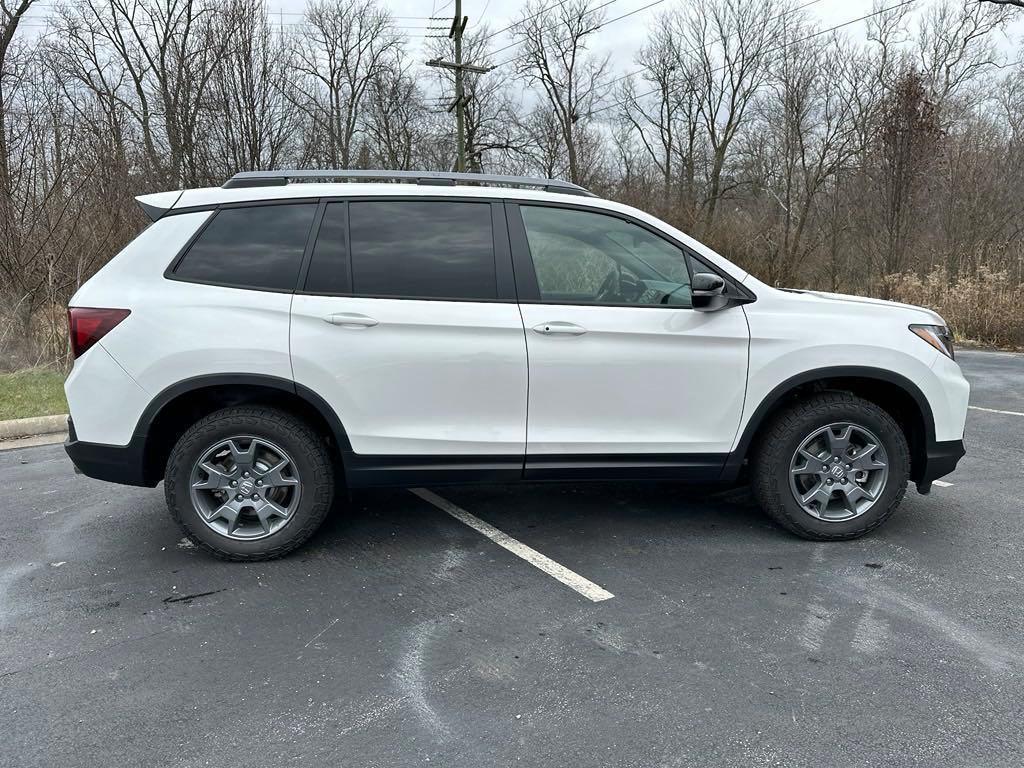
(838, 472)
(245, 487)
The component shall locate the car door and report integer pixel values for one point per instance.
(407, 325)
(625, 376)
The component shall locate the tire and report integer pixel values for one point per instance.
(259, 437)
(776, 456)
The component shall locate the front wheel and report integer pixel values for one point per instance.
(249, 483)
(831, 467)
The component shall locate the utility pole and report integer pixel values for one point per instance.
(458, 27)
(460, 67)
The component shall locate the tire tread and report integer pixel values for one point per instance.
(321, 485)
(821, 407)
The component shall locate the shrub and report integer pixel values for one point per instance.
(986, 308)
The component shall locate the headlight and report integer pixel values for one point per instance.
(936, 335)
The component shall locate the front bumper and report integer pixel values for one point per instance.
(940, 459)
(124, 464)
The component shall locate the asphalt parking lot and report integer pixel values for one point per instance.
(402, 635)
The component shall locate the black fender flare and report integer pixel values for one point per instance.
(195, 383)
(734, 462)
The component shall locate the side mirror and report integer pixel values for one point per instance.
(708, 292)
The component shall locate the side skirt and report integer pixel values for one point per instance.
(691, 467)
(365, 471)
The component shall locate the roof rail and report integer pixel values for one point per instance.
(281, 178)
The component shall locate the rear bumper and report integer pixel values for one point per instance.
(124, 464)
(940, 459)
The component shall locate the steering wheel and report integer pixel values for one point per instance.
(620, 287)
(609, 289)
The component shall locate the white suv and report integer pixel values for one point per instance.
(262, 344)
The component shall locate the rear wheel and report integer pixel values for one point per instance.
(249, 483)
(833, 466)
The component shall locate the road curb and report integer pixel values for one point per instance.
(37, 425)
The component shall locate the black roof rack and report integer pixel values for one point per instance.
(281, 178)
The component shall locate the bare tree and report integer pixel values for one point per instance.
(345, 46)
(11, 70)
(807, 134)
(732, 45)
(154, 59)
(956, 45)
(546, 142)
(665, 117)
(254, 124)
(555, 59)
(395, 124)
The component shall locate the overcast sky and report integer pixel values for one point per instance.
(620, 39)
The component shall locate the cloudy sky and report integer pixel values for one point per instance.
(620, 38)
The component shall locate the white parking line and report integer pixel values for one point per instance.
(994, 410)
(942, 484)
(571, 579)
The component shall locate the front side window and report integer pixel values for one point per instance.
(257, 246)
(422, 249)
(590, 258)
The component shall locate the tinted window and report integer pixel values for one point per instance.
(329, 267)
(428, 249)
(584, 257)
(256, 247)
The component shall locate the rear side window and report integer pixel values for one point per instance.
(254, 247)
(421, 249)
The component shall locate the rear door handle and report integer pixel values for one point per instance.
(350, 320)
(559, 328)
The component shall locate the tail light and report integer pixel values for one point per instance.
(88, 325)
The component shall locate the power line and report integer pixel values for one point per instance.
(602, 25)
(534, 16)
(523, 21)
(48, 19)
(270, 11)
(719, 40)
(303, 13)
(777, 48)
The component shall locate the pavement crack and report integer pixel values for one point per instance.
(190, 598)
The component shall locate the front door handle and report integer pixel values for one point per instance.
(559, 328)
(350, 320)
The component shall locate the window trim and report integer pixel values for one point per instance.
(179, 257)
(515, 274)
(504, 276)
(526, 272)
(307, 257)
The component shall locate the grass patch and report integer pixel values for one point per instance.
(35, 392)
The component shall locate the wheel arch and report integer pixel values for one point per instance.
(179, 406)
(895, 393)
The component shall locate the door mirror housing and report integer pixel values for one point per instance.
(708, 292)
